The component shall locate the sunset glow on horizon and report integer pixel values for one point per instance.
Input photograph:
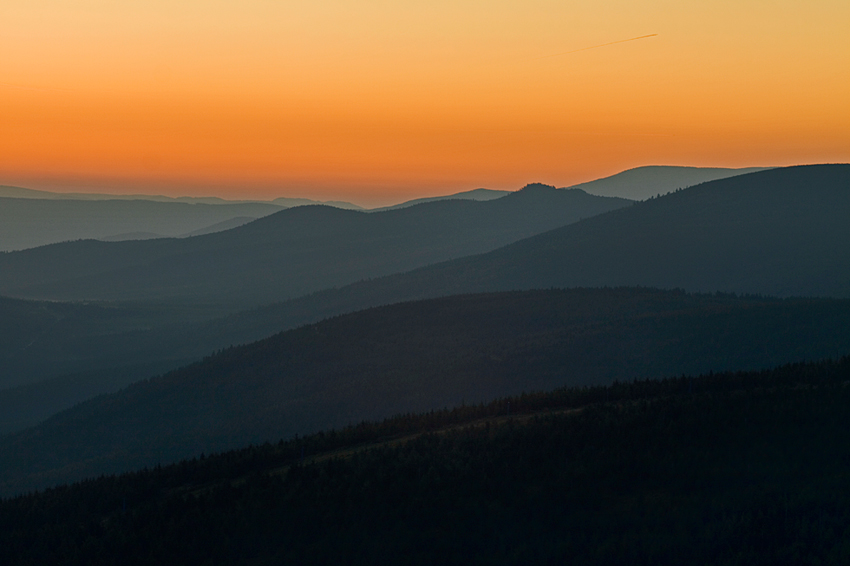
(376, 102)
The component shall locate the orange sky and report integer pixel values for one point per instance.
(379, 101)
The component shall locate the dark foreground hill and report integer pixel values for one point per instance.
(290, 253)
(735, 469)
(415, 357)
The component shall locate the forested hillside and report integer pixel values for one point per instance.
(738, 468)
(415, 357)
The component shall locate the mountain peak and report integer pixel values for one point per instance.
(537, 187)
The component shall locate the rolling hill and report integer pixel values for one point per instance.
(475, 194)
(781, 232)
(416, 357)
(290, 253)
(282, 202)
(735, 468)
(28, 222)
(646, 182)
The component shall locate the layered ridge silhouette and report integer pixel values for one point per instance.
(290, 253)
(778, 232)
(650, 181)
(415, 357)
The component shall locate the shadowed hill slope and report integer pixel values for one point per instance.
(290, 253)
(734, 469)
(781, 232)
(43, 339)
(420, 356)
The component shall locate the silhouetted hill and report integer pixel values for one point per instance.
(736, 469)
(642, 183)
(234, 222)
(291, 253)
(281, 202)
(290, 202)
(228, 224)
(475, 194)
(132, 236)
(42, 339)
(420, 356)
(28, 223)
(54, 355)
(782, 232)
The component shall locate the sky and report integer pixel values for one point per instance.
(377, 101)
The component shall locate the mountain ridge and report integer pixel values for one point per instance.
(641, 183)
(419, 356)
(291, 253)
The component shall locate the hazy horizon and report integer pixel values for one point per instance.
(379, 103)
(345, 194)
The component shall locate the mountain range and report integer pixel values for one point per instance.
(415, 357)
(650, 181)
(290, 253)
(48, 217)
(736, 468)
(28, 223)
(282, 202)
(777, 232)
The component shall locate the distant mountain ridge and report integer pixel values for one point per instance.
(23, 227)
(228, 224)
(780, 232)
(649, 181)
(283, 202)
(474, 194)
(28, 223)
(290, 253)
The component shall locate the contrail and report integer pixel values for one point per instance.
(595, 46)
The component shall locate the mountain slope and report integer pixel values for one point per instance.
(291, 253)
(421, 356)
(28, 223)
(744, 468)
(642, 183)
(475, 194)
(44, 339)
(781, 232)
